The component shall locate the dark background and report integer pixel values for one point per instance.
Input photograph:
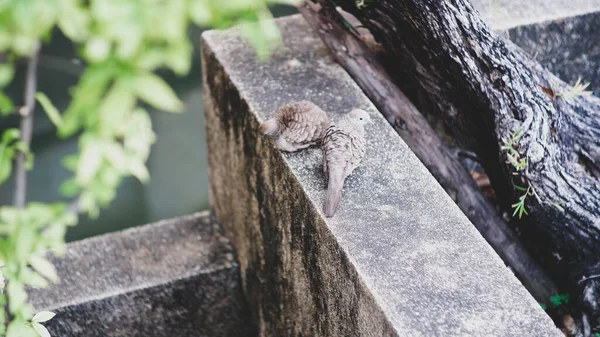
(177, 164)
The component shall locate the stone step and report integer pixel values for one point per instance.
(176, 277)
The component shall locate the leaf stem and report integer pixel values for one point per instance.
(26, 112)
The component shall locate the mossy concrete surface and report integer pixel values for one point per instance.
(398, 259)
(177, 277)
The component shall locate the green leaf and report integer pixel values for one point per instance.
(116, 156)
(6, 74)
(97, 49)
(19, 328)
(263, 35)
(41, 330)
(559, 299)
(34, 279)
(24, 45)
(16, 295)
(69, 188)
(5, 163)
(139, 170)
(520, 188)
(157, 93)
(200, 12)
(43, 316)
(6, 105)
(88, 165)
(70, 162)
(74, 21)
(10, 136)
(44, 267)
(26, 239)
(50, 109)
(29, 159)
(179, 57)
(117, 103)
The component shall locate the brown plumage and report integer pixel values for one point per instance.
(344, 146)
(296, 126)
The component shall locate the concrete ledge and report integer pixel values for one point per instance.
(505, 14)
(173, 278)
(569, 47)
(399, 258)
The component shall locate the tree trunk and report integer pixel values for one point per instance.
(487, 89)
(360, 62)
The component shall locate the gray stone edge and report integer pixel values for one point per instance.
(34, 294)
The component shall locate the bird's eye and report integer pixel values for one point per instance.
(361, 118)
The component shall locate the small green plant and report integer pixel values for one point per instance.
(576, 90)
(510, 145)
(519, 165)
(41, 317)
(360, 4)
(10, 145)
(556, 301)
(520, 206)
(559, 299)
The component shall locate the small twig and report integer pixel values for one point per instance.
(26, 113)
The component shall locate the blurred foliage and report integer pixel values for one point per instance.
(123, 43)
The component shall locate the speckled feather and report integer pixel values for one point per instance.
(297, 125)
(344, 147)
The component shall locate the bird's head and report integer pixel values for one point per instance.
(359, 116)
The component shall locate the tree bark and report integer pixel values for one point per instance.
(486, 88)
(360, 62)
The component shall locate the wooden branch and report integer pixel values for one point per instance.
(26, 112)
(362, 65)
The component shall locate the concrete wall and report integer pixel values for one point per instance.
(173, 278)
(399, 258)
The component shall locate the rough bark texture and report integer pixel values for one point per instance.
(486, 88)
(356, 57)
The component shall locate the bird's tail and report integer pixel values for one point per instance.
(269, 128)
(334, 192)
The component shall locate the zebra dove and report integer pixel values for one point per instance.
(343, 148)
(296, 126)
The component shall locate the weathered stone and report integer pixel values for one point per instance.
(569, 47)
(398, 259)
(173, 278)
(504, 14)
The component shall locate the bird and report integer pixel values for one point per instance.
(343, 148)
(296, 126)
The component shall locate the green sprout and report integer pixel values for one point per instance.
(559, 299)
(360, 4)
(577, 90)
(520, 206)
